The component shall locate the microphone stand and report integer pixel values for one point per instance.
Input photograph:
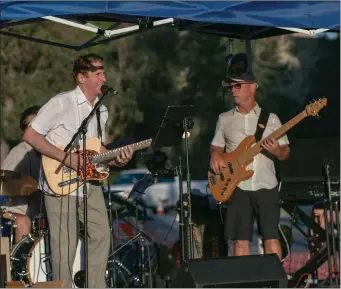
(83, 130)
(330, 227)
(188, 124)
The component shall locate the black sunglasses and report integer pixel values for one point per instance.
(236, 85)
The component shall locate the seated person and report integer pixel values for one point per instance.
(319, 217)
(23, 159)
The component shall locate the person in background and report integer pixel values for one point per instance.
(25, 160)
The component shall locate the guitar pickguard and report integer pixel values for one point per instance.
(91, 171)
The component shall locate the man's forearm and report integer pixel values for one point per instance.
(215, 150)
(284, 153)
(39, 143)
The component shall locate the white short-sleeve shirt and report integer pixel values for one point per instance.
(59, 119)
(232, 127)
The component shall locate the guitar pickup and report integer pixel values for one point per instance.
(229, 165)
(213, 180)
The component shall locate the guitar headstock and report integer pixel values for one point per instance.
(313, 108)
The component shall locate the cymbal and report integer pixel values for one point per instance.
(9, 174)
(13, 184)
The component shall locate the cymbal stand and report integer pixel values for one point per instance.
(1, 226)
(111, 260)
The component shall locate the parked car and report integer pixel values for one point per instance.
(164, 192)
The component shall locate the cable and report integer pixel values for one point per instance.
(169, 230)
(299, 280)
(286, 243)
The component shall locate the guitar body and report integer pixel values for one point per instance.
(62, 180)
(222, 186)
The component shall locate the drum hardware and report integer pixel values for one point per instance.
(325, 238)
(124, 277)
(136, 278)
(8, 219)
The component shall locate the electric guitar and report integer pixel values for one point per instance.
(63, 180)
(222, 185)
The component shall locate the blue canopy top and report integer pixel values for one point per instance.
(298, 14)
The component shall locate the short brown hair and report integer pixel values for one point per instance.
(83, 64)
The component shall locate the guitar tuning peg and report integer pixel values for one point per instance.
(318, 116)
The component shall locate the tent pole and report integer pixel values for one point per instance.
(305, 31)
(108, 33)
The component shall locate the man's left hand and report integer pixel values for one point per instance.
(124, 156)
(272, 145)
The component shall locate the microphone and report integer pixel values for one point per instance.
(107, 89)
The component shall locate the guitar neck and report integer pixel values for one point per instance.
(108, 155)
(256, 149)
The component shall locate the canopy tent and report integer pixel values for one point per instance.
(234, 19)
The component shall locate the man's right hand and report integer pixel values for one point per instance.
(74, 161)
(217, 163)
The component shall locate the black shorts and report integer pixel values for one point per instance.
(245, 206)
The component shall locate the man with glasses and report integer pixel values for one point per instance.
(257, 196)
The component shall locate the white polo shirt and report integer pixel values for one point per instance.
(232, 127)
(59, 119)
(24, 159)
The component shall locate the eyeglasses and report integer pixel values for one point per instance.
(236, 85)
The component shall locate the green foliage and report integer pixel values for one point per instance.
(158, 68)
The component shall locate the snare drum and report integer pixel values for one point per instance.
(31, 260)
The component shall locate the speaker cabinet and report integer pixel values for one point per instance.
(255, 271)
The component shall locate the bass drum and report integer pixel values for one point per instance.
(31, 261)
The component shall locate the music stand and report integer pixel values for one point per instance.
(171, 129)
(175, 125)
(158, 164)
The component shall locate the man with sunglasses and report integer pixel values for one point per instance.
(25, 160)
(257, 196)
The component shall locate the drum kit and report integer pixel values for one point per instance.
(30, 258)
(29, 252)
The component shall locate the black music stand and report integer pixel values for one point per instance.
(174, 126)
(172, 129)
(158, 164)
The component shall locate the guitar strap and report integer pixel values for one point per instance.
(261, 125)
(99, 130)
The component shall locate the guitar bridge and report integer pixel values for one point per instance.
(69, 182)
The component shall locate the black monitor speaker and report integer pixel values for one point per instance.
(255, 271)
